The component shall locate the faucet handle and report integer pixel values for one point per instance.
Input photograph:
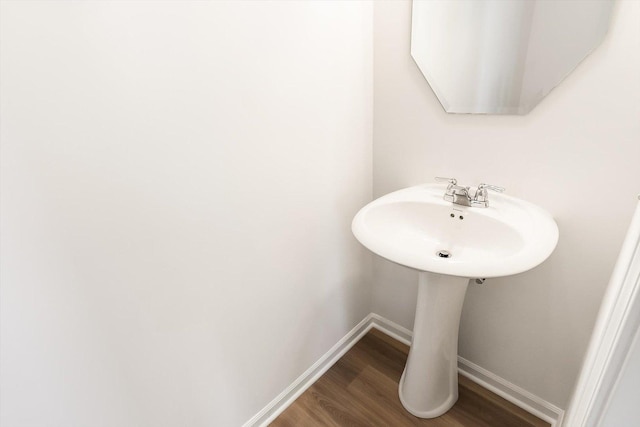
(481, 198)
(491, 187)
(451, 181)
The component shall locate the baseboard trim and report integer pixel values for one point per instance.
(392, 329)
(503, 388)
(492, 382)
(304, 381)
(511, 392)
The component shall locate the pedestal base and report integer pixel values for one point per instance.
(429, 383)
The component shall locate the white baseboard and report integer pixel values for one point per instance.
(503, 388)
(392, 329)
(304, 381)
(492, 382)
(511, 392)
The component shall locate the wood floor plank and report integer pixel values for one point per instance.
(361, 389)
(391, 341)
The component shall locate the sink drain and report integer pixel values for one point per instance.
(444, 254)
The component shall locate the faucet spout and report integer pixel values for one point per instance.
(458, 195)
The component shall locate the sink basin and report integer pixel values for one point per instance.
(412, 226)
(449, 244)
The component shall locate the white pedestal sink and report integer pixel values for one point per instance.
(449, 244)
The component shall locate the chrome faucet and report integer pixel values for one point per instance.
(462, 195)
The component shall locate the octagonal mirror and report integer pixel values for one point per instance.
(499, 56)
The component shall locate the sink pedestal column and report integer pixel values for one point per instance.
(429, 383)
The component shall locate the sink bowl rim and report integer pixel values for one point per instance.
(534, 224)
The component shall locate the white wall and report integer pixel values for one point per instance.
(576, 154)
(178, 184)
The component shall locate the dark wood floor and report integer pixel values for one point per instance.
(361, 389)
